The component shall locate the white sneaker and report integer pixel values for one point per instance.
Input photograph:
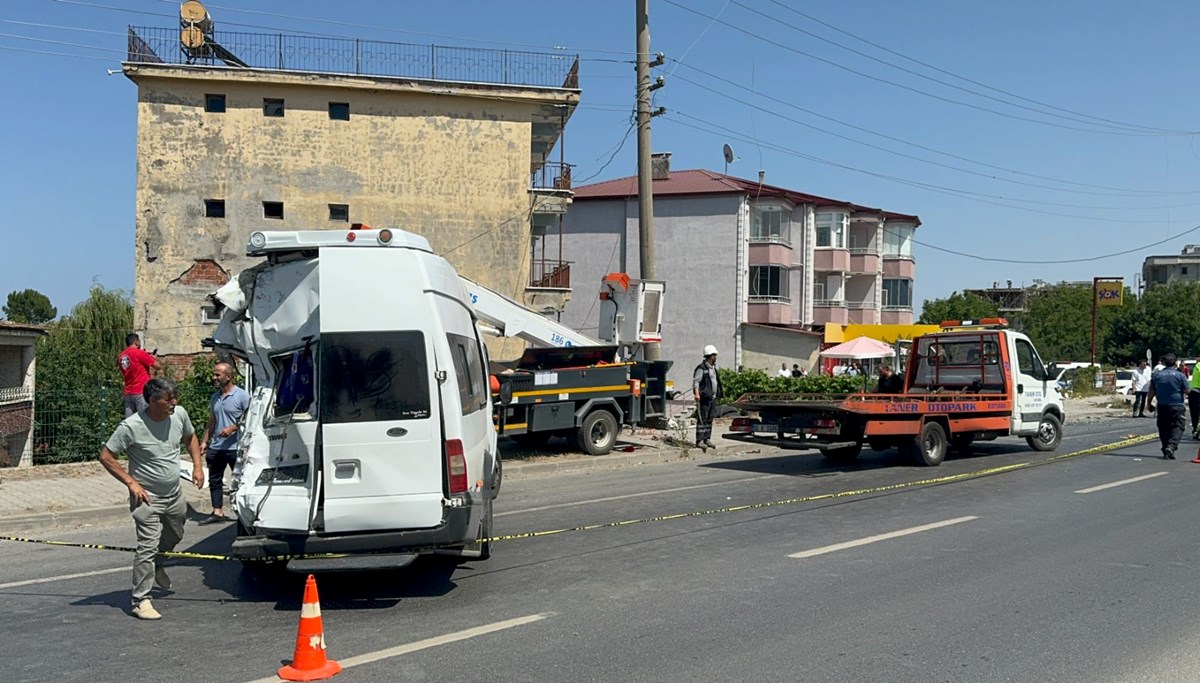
(161, 579)
(145, 610)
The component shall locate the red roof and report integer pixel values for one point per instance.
(704, 182)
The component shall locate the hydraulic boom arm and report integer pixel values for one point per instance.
(511, 319)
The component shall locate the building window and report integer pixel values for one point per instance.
(339, 212)
(1183, 270)
(827, 289)
(898, 240)
(272, 107)
(214, 208)
(209, 315)
(831, 229)
(771, 224)
(339, 111)
(214, 104)
(769, 283)
(273, 210)
(897, 294)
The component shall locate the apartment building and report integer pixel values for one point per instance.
(755, 269)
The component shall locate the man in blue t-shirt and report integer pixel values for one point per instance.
(1170, 387)
(219, 445)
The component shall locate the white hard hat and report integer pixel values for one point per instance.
(710, 350)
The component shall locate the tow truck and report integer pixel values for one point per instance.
(570, 385)
(970, 381)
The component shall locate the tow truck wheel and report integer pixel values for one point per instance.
(1049, 434)
(847, 454)
(931, 446)
(598, 433)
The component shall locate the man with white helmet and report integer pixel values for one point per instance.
(706, 387)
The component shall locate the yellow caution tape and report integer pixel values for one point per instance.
(950, 478)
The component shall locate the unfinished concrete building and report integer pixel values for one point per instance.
(245, 132)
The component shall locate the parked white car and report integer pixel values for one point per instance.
(1124, 385)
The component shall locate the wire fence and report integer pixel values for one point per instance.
(71, 426)
(322, 54)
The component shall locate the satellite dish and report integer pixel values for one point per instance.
(728, 154)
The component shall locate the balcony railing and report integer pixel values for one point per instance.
(897, 307)
(553, 175)
(829, 303)
(860, 305)
(319, 54)
(550, 274)
(769, 299)
(771, 239)
(864, 250)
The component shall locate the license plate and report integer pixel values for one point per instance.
(770, 429)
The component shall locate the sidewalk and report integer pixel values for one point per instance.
(79, 494)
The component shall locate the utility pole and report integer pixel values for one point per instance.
(647, 268)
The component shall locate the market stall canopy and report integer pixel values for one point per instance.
(858, 349)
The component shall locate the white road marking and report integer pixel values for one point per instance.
(636, 495)
(428, 643)
(1121, 483)
(64, 577)
(880, 537)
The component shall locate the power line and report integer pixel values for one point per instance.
(60, 54)
(1076, 118)
(60, 42)
(934, 150)
(1086, 259)
(909, 88)
(944, 71)
(940, 164)
(955, 192)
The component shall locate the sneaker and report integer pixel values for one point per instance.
(145, 610)
(161, 579)
(710, 444)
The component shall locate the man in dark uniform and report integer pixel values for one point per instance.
(1170, 387)
(706, 387)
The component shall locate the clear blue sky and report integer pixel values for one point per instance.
(68, 128)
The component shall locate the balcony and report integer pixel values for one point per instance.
(831, 260)
(862, 312)
(550, 274)
(898, 267)
(553, 175)
(827, 311)
(763, 253)
(864, 261)
(765, 309)
(896, 315)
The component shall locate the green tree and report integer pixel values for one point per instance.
(1058, 319)
(79, 396)
(1164, 320)
(29, 306)
(957, 306)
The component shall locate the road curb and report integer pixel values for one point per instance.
(197, 502)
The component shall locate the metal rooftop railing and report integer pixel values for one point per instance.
(320, 54)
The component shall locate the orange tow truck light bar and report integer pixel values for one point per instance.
(982, 322)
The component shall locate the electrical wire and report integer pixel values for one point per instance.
(944, 71)
(951, 155)
(938, 163)
(1077, 119)
(909, 88)
(60, 54)
(962, 194)
(1085, 259)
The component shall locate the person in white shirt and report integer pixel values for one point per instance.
(1140, 386)
(783, 370)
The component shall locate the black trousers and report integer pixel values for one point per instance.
(704, 418)
(1170, 426)
(1139, 403)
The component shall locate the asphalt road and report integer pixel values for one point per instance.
(1027, 574)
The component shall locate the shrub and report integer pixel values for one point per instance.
(758, 382)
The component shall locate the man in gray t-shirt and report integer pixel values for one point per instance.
(151, 439)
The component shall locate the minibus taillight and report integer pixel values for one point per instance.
(456, 466)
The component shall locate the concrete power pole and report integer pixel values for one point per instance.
(647, 268)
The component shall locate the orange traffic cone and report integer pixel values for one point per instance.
(1197, 458)
(309, 662)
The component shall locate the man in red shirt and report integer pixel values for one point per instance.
(135, 367)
